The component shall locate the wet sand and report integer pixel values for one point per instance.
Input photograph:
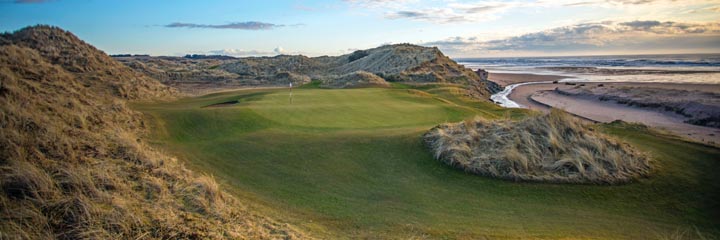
(521, 94)
(608, 111)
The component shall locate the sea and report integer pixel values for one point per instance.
(674, 68)
(684, 68)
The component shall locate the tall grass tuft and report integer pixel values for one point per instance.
(554, 147)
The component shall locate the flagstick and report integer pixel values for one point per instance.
(291, 100)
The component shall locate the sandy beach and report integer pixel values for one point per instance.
(606, 111)
(542, 95)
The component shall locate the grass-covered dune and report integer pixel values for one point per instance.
(352, 163)
(73, 164)
(554, 147)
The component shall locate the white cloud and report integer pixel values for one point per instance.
(380, 3)
(621, 3)
(597, 36)
(279, 50)
(452, 11)
(238, 52)
(247, 53)
(252, 25)
(713, 8)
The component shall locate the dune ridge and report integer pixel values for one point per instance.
(73, 163)
(393, 63)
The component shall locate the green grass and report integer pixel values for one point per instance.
(350, 163)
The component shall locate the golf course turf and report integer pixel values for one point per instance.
(351, 163)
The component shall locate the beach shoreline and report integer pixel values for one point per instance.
(541, 96)
(505, 79)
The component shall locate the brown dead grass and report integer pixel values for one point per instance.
(73, 164)
(547, 148)
(358, 79)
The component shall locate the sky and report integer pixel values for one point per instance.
(460, 28)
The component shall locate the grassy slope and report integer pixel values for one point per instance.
(351, 162)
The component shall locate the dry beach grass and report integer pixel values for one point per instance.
(548, 148)
(356, 79)
(73, 164)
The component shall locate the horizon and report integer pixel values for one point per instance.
(459, 28)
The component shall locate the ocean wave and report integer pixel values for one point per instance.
(705, 61)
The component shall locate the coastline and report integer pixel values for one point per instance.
(512, 83)
(505, 79)
(608, 111)
(533, 94)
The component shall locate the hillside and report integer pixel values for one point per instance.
(356, 79)
(395, 63)
(93, 68)
(73, 162)
(181, 72)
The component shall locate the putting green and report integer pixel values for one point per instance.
(352, 109)
(350, 163)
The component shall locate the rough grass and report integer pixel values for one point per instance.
(73, 164)
(546, 148)
(356, 79)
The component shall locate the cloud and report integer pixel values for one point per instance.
(376, 1)
(483, 8)
(247, 53)
(711, 9)
(715, 8)
(610, 3)
(252, 25)
(410, 14)
(432, 15)
(597, 36)
(279, 50)
(453, 11)
(379, 3)
(645, 25)
(238, 52)
(631, 2)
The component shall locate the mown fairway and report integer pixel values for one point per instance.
(351, 163)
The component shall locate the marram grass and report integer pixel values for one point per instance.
(546, 148)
